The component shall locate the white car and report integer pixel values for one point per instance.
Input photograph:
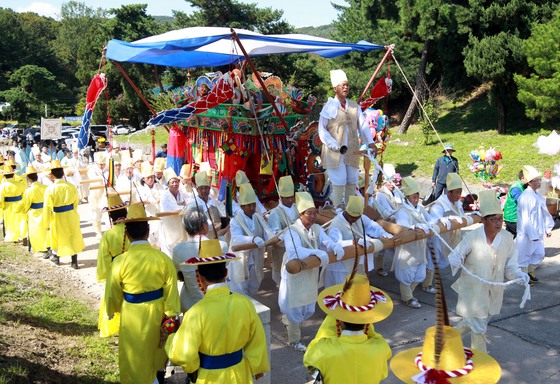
(123, 129)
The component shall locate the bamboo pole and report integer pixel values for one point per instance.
(401, 235)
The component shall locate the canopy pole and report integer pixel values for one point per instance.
(261, 82)
(389, 52)
(120, 68)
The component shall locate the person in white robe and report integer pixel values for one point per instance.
(298, 292)
(214, 209)
(447, 207)
(97, 197)
(173, 202)
(346, 229)
(150, 194)
(534, 223)
(241, 178)
(248, 226)
(410, 260)
(280, 218)
(489, 252)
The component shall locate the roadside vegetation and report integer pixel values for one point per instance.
(48, 331)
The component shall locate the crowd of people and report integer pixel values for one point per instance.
(156, 227)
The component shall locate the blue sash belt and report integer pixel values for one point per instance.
(221, 361)
(12, 199)
(137, 298)
(36, 205)
(63, 208)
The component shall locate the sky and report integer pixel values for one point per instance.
(299, 13)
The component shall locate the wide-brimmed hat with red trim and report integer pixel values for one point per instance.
(211, 253)
(114, 202)
(361, 303)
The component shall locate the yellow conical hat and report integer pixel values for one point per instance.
(136, 213)
(201, 179)
(210, 253)
(241, 178)
(146, 169)
(489, 204)
(453, 181)
(409, 186)
(285, 186)
(304, 201)
(159, 164)
(453, 359)
(355, 206)
(185, 171)
(360, 304)
(169, 174)
(247, 194)
(530, 173)
(100, 157)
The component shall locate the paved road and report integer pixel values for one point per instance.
(526, 342)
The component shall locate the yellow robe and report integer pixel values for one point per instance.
(349, 358)
(110, 246)
(35, 194)
(141, 269)
(66, 236)
(222, 322)
(12, 210)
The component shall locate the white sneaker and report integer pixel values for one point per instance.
(298, 346)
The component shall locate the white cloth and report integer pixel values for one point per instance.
(280, 217)
(443, 208)
(329, 111)
(151, 198)
(533, 223)
(301, 243)
(490, 262)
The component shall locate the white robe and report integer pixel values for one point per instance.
(442, 207)
(280, 217)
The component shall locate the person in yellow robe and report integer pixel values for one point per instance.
(353, 353)
(32, 205)
(60, 215)
(11, 196)
(142, 286)
(113, 243)
(221, 339)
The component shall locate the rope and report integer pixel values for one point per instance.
(426, 115)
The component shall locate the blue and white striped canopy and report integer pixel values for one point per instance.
(214, 46)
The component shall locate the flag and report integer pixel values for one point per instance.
(96, 86)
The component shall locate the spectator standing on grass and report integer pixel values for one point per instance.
(142, 287)
(162, 152)
(444, 165)
(510, 207)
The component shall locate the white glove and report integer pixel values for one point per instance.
(335, 147)
(387, 235)
(425, 227)
(445, 221)
(338, 251)
(525, 278)
(258, 241)
(361, 242)
(458, 219)
(475, 213)
(323, 256)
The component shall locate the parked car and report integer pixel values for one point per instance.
(123, 129)
(100, 130)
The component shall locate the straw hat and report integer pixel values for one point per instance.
(355, 206)
(100, 157)
(453, 359)
(489, 204)
(185, 171)
(286, 186)
(453, 181)
(169, 174)
(136, 213)
(7, 170)
(409, 186)
(241, 178)
(360, 304)
(530, 173)
(211, 253)
(246, 194)
(55, 164)
(447, 147)
(1, 159)
(159, 164)
(114, 202)
(338, 76)
(201, 179)
(146, 169)
(304, 201)
(30, 170)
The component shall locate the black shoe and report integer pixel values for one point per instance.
(47, 255)
(532, 277)
(55, 259)
(160, 375)
(74, 263)
(24, 242)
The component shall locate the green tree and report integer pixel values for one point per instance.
(496, 31)
(539, 91)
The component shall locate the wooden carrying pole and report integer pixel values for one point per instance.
(401, 235)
